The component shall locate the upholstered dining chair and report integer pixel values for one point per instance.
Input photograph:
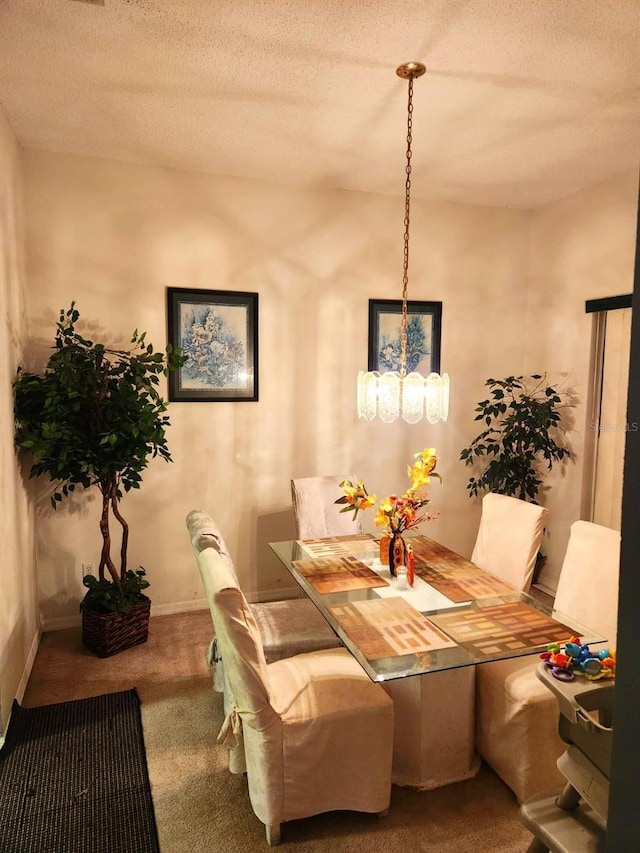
(287, 628)
(317, 733)
(509, 538)
(516, 715)
(314, 506)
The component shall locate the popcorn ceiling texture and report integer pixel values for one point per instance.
(522, 104)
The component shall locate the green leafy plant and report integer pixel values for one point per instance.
(104, 595)
(523, 433)
(95, 418)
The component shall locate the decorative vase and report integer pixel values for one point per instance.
(385, 540)
(397, 552)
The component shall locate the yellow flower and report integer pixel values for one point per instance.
(396, 513)
(381, 519)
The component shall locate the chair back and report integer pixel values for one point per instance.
(205, 533)
(314, 505)
(238, 640)
(509, 538)
(588, 584)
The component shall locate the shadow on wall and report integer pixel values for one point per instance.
(270, 580)
(59, 578)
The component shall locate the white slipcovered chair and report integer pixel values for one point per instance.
(287, 628)
(509, 538)
(316, 731)
(314, 505)
(516, 715)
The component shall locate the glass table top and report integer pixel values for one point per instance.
(454, 615)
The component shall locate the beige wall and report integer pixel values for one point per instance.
(19, 629)
(582, 247)
(113, 236)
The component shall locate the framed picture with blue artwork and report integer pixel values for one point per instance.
(424, 324)
(218, 332)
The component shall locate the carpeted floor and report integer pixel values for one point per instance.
(201, 808)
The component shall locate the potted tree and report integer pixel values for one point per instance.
(95, 418)
(523, 433)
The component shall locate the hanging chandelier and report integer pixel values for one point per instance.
(398, 393)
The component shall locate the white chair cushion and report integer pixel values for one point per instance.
(292, 627)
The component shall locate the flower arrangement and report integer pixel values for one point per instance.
(396, 513)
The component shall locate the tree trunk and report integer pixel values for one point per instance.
(105, 556)
(125, 533)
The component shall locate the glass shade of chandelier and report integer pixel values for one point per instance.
(395, 394)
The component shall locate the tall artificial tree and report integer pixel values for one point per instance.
(95, 417)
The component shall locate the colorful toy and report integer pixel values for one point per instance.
(577, 658)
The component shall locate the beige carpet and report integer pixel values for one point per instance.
(202, 808)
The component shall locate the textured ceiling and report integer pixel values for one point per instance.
(524, 101)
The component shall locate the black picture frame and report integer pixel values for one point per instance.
(218, 331)
(424, 329)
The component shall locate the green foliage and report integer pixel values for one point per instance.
(95, 414)
(523, 432)
(106, 597)
(95, 417)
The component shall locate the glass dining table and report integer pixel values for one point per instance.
(455, 614)
(423, 641)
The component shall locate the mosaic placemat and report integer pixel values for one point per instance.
(355, 544)
(502, 628)
(388, 627)
(337, 574)
(453, 575)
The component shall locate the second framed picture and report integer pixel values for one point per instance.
(424, 323)
(218, 331)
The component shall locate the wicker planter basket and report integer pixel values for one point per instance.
(107, 634)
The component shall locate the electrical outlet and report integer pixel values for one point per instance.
(88, 569)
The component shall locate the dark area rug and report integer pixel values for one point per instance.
(73, 779)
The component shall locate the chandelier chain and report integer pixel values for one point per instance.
(396, 392)
(407, 212)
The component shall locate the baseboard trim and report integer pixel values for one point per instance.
(179, 607)
(28, 666)
(548, 590)
(61, 622)
(24, 680)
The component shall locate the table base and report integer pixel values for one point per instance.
(433, 728)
